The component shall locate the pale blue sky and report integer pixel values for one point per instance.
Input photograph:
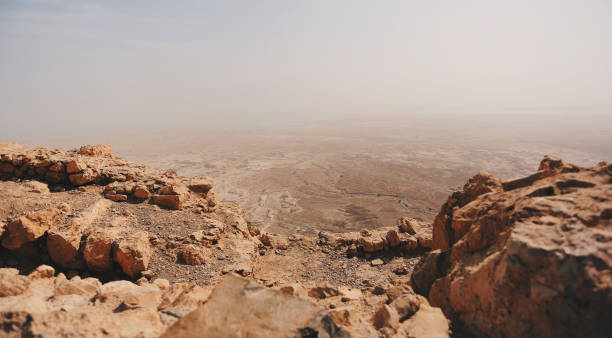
(90, 65)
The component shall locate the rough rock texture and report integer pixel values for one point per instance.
(528, 257)
(261, 313)
(133, 253)
(29, 228)
(42, 304)
(125, 181)
(145, 254)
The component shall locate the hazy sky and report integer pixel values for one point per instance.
(94, 65)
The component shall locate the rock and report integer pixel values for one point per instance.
(426, 322)
(174, 189)
(97, 150)
(406, 305)
(324, 291)
(377, 262)
(161, 283)
(200, 184)
(133, 253)
(211, 198)
(98, 250)
(392, 238)
(168, 201)
(141, 192)
(11, 283)
(431, 266)
(42, 271)
(372, 244)
(193, 255)
(116, 197)
(386, 316)
(63, 246)
(29, 228)
(87, 176)
(481, 183)
(522, 259)
(75, 166)
(262, 313)
(409, 225)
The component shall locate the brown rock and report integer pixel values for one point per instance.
(75, 166)
(116, 197)
(481, 183)
(63, 246)
(386, 316)
(28, 228)
(392, 238)
(11, 283)
(141, 192)
(42, 271)
(200, 184)
(97, 150)
(527, 255)
(426, 322)
(324, 291)
(98, 250)
(409, 225)
(6, 168)
(87, 176)
(168, 201)
(193, 255)
(133, 253)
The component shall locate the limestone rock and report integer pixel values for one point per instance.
(200, 184)
(28, 228)
(481, 183)
(97, 150)
(42, 271)
(521, 259)
(193, 255)
(262, 313)
(133, 253)
(168, 201)
(409, 225)
(11, 283)
(63, 246)
(98, 250)
(75, 166)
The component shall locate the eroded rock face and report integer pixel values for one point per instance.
(532, 257)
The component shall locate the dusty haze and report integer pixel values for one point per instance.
(314, 115)
(88, 67)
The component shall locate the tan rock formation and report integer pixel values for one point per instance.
(133, 253)
(29, 228)
(528, 257)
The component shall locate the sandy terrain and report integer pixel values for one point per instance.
(341, 177)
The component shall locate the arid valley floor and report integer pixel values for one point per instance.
(346, 177)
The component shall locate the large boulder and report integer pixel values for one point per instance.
(241, 308)
(133, 253)
(98, 249)
(533, 259)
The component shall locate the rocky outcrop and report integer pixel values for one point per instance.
(124, 181)
(42, 304)
(527, 257)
